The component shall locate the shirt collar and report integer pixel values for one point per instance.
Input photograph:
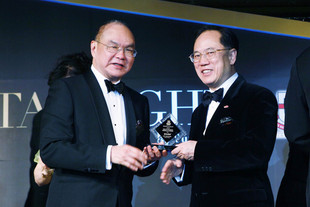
(100, 78)
(226, 85)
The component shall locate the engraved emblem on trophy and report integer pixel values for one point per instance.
(169, 131)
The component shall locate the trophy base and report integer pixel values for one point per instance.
(164, 147)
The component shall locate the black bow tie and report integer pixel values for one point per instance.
(114, 87)
(208, 96)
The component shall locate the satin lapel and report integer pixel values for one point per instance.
(130, 119)
(199, 123)
(101, 107)
(227, 100)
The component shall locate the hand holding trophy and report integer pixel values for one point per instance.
(169, 132)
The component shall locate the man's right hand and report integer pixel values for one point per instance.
(128, 156)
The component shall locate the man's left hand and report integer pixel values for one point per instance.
(185, 150)
(153, 153)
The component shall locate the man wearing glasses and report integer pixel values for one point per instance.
(95, 129)
(232, 131)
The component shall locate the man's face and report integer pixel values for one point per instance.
(113, 65)
(215, 71)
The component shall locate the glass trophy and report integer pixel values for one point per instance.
(168, 131)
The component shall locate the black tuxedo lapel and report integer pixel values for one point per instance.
(233, 90)
(130, 118)
(222, 111)
(198, 123)
(203, 117)
(100, 105)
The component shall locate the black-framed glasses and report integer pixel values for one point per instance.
(209, 53)
(128, 51)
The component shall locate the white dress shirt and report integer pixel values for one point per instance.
(214, 104)
(116, 107)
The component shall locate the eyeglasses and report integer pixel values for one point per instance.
(129, 52)
(209, 53)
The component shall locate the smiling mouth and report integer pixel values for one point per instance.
(206, 71)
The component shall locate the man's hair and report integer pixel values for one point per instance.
(101, 29)
(228, 37)
(69, 65)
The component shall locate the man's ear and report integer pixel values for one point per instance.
(232, 56)
(93, 46)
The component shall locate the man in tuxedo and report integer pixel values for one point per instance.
(232, 133)
(295, 186)
(94, 128)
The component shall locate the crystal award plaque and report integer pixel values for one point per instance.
(168, 131)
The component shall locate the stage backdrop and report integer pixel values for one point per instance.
(35, 33)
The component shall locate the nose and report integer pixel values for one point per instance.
(204, 59)
(121, 53)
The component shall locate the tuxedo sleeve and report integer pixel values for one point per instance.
(297, 117)
(142, 111)
(61, 143)
(250, 142)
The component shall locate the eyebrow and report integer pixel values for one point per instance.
(116, 43)
(205, 49)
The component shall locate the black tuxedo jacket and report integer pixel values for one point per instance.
(75, 132)
(231, 160)
(293, 191)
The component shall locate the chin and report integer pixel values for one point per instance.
(118, 75)
(207, 82)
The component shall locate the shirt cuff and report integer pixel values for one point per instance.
(108, 164)
(179, 178)
(149, 165)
